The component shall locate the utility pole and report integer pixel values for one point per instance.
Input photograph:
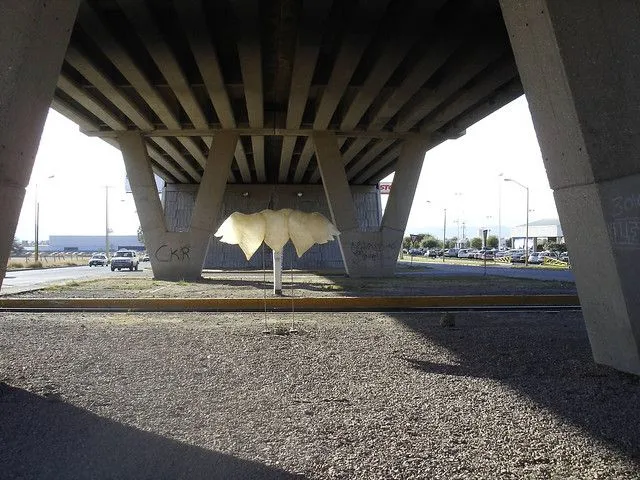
(106, 222)
(444, 234)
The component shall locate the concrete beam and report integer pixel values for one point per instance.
(405, 182)
(470, 64)
(97, 109)
(304, 64)
(579, 65)
(250, 54)
(193, 21)
(33, 38)
(140, 17)
(245, 131)
(351, 51)
(116, 54)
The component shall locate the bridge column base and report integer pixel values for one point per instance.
(178, 256)
(369, 254)
(579, 64)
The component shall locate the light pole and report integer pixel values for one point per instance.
(36, 249)
(500, 175)
(106, 222)
(444, 234)
(444, 231)
(526, 239)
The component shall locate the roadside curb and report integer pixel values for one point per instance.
(300, 304)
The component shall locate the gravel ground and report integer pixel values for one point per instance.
(365, 396)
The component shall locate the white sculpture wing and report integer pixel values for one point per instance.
(246, 231)
(275, 228)
(299, 233)
(321, 229)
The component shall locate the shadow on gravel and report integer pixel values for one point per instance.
(546, 357)
(47, 438)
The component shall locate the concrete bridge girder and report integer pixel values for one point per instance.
(579, 66)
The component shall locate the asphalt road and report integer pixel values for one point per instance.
(16, 281)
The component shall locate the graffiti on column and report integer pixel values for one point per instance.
(624, 229)
(166, 253)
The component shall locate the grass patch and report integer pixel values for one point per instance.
(12, 265)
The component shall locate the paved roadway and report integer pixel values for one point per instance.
(16, 281)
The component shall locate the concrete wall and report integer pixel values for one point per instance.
(179, 201)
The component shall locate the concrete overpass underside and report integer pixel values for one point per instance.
(339, 94)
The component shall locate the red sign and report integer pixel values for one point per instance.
(384, 187)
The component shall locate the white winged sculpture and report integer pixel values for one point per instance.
(275, 228)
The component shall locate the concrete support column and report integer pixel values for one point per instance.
(373, 253)
(579, 64)
(177, 255)
(33, 40)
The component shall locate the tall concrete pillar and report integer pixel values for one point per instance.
(33, 40)
(370, 253)
(579, 61)
(177, 255)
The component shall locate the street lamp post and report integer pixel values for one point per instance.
(36, 248)
(444, 234)
(106, 222)
(526, 239)
(500, 212)
(444, 231)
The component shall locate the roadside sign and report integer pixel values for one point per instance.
(385, 188)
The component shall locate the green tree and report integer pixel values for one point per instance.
(140, 235)
(406, 242)
(508, 243)
(16, 247)
(476, 242)
(555, 247)
(429, 241)
(492, 241)
(450, 242)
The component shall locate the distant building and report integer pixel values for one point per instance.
(92, 243)
(540, 232)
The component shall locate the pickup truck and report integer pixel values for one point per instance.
(125, 259)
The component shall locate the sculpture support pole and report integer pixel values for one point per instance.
(277, 272)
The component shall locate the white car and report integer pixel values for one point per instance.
(125, 259)
(98, 259)
(538, 257)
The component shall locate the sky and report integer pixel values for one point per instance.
(460, 175)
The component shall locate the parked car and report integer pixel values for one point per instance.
(538, 257)
(452, 252)
(487, 255)
(125, 259)
(414, 252)
(565, 257)
(98, 259)
(517, 256)
(145, 257)
(432, 253)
